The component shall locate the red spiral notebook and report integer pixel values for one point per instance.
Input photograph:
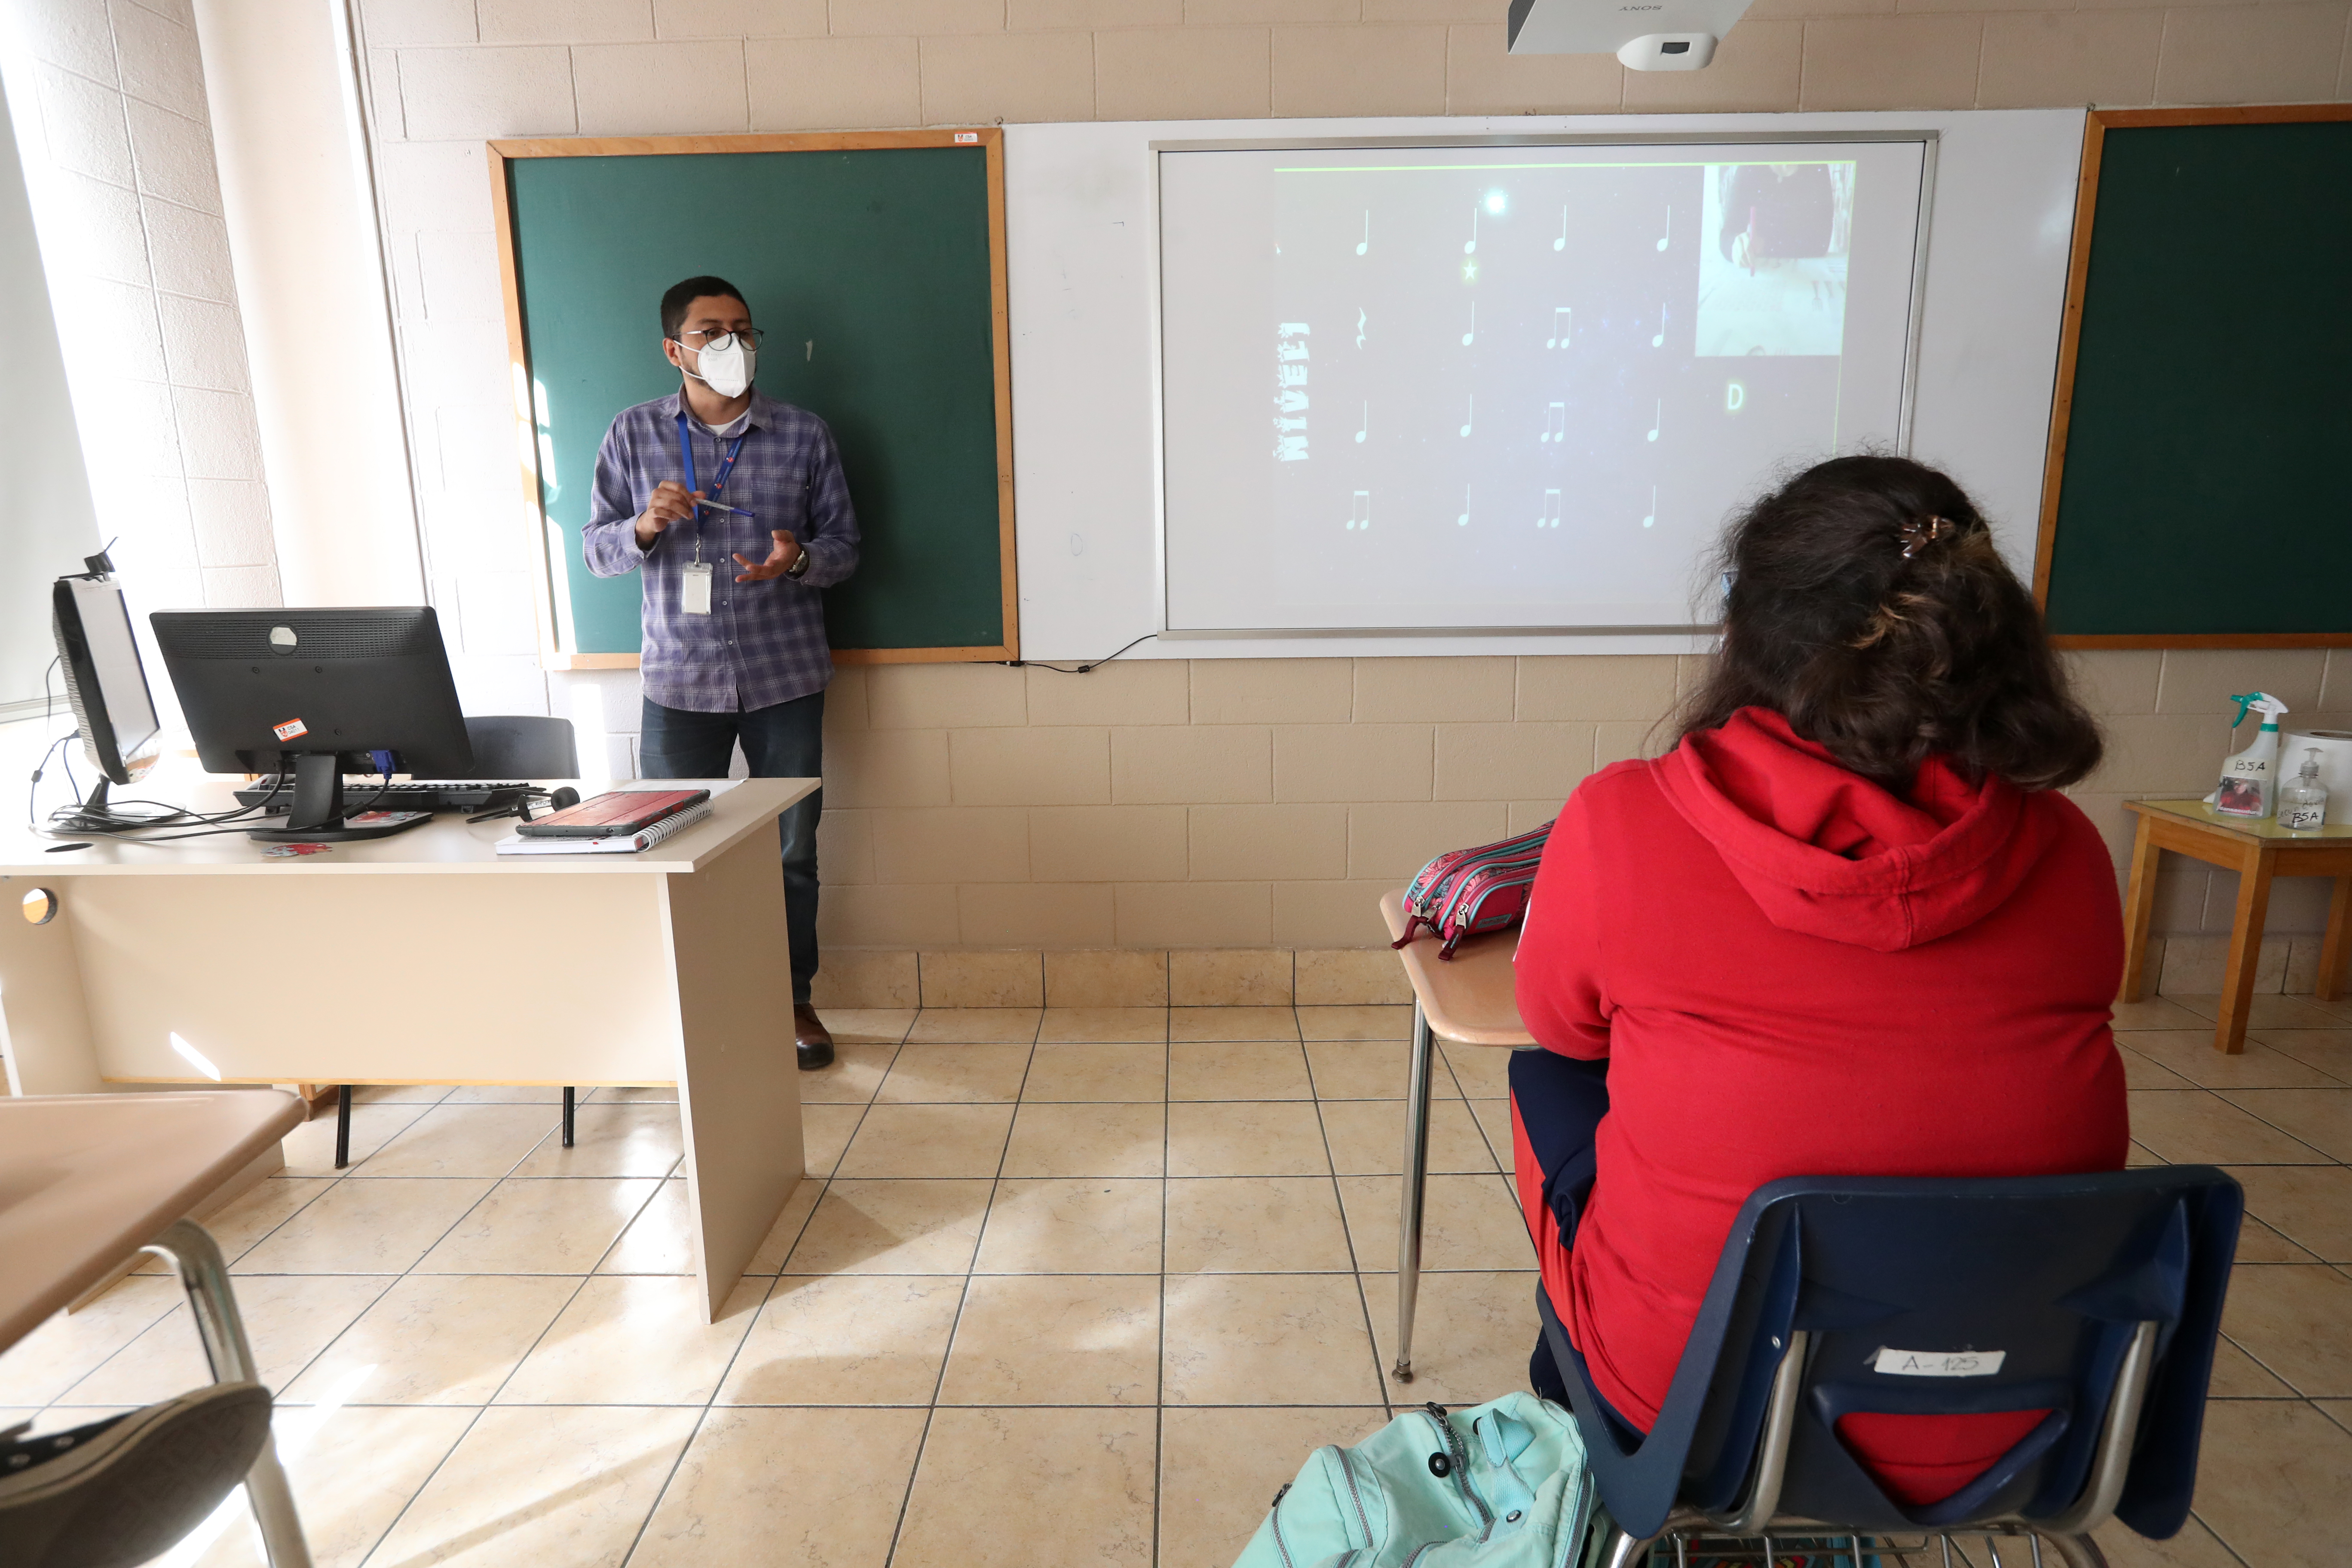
(614, 814)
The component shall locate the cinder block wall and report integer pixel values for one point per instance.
(1163, 805)
(1267, 803)
(113, 126)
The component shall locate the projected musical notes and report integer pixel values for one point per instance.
(1670, 227)
(1360, 510)
(1365, 244)
(1652, 518)
(1555, 423)
(1470, 246)
(1464, 520)
(1561, 318)
(1660, 340)
(1367, 425)
(1360, 326)
(1561, 243)
(1469, 418)
(1473, 332)
(1551, 518)
(1658, 419)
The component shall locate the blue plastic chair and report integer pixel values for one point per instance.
(2096, 1297)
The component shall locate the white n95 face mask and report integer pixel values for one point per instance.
(726, 365)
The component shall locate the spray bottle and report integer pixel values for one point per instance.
(2248, 777)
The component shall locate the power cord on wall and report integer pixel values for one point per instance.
(1083, 669)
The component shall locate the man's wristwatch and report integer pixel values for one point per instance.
(798, 568)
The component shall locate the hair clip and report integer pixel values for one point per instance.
(1916, 535)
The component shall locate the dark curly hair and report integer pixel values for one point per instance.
(1868, 606)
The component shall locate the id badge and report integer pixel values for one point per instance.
(694, 589)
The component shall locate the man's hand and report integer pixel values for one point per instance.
(780, 560)
(672, 502)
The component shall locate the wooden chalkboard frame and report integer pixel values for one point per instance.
(989, 139)
(2078, 268)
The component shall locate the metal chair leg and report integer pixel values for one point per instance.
(1416, 1184)
(342, 1125)
(205, 1275)
(2078, 1550)
(1623, 1550)
(567, 1116)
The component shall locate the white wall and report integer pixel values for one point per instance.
(301, 219)
(107, 98)
(45, 522)
(428, 116)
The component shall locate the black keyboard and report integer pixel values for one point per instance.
(410, 795)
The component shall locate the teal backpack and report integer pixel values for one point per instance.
(1500, 1485)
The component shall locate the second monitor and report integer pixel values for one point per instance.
(313, 692)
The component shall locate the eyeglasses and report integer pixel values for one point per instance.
(750, 337)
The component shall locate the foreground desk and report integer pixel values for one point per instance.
(2257, 849)
(1469, 999)
(426, 958)
(90, 1180)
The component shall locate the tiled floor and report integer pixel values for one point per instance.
(1073, 1288)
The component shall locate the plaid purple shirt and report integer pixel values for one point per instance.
(762, 643)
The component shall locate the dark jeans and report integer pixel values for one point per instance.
(1560, 1102)
(784, 740)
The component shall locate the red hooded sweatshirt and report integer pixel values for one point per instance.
(1794, 971)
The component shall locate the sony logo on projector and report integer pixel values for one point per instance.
(1647, 35)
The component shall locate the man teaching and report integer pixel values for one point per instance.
(733, 507)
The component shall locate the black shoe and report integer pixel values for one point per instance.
(125, 1489)
(814, 1040)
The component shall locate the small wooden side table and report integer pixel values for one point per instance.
(2257, 849)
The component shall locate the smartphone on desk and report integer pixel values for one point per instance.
(614, 814)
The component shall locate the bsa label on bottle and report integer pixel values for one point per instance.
(1938, 1364)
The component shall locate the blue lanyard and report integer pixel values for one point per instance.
(726, 463)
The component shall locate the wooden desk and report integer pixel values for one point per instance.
(92, 1179)
(1470, 999)
(426, 958)
(2257, 849)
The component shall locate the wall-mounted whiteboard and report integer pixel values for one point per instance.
(1969, 269)
(1429, 387)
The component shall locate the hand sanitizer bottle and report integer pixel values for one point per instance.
(2303, 799)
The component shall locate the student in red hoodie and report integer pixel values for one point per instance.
(1846, 926)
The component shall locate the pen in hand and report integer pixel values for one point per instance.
(714, 506)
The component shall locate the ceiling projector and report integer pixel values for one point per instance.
(1646, 34)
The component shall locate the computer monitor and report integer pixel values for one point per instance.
(318, 692)
(105, 680)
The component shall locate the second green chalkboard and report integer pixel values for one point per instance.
(2198, 482)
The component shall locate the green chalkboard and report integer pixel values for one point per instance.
(874, 264)
(2197, 487)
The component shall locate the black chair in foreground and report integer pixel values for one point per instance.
(2085, 1308)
